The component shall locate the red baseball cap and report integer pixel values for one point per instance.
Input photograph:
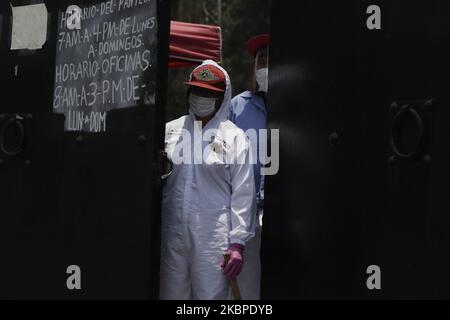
(208, 77)
(257, 43)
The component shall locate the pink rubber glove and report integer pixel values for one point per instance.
(236, 263)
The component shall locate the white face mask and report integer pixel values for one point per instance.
(202, 107)
(262, 79)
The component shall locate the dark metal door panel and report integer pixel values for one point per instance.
(307, 104)
(343, 200)
(90, 200)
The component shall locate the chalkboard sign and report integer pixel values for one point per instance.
(106, 62)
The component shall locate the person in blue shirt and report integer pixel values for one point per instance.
(249, 112)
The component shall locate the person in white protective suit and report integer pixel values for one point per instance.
(209, 205)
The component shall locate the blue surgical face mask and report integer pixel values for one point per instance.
(202, 107)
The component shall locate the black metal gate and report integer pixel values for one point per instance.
(81, 199)
(363, 115)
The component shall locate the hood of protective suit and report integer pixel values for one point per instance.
(223, 112)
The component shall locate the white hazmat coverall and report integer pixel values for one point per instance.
(206, 206)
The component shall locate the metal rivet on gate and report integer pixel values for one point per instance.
(394, 106)
(392, 160)
(334, 137)
(429, 103)
(426, 158)
(142, 140)
(79, 140)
